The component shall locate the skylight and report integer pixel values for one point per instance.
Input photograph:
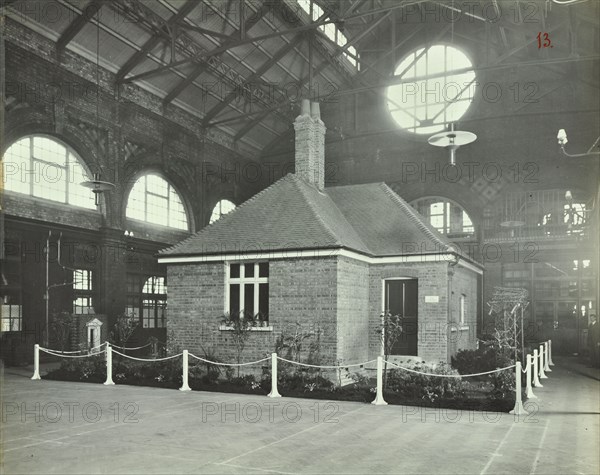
(332, 32)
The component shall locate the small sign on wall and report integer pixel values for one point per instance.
(432, 299)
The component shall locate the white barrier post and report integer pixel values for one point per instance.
(518, 409)
(185, 386)
(529, 369)
(550, 353)
(379, 401)
(547, 358)
(274, 392)
(36, 362)
(536, 379)
(109, 381)
(541, 365)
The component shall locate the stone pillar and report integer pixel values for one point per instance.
(111, 293)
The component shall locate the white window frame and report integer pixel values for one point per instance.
(242, 281)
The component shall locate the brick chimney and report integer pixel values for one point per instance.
(310, 144)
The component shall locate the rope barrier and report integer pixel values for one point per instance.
(135, 348)
(452, 375)
(50, 352)
(74, 351)
(326, 367)
(228, 364)
(146, 359)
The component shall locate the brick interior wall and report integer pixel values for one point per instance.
(300, 291)
(353, 316)
(463, 337)
(432, 317)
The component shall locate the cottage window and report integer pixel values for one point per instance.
(248, 290)
(82, 292)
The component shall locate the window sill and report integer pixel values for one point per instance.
(254, 329)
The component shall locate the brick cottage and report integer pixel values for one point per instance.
(331, 258)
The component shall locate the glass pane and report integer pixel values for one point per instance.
(249, 270)
(222, 208)
(17, 168)
(234, 299)
(49, 150)
(153, 200)
(79, 195)
(249, 300)
(263, 269)
(234, 271)
(50, 181)
(431, 102)
(263, 299)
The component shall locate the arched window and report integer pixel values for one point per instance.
(221, 209)
(154, 200)
(447, 217)
(45, 168)
(154, 303)
(437, 86)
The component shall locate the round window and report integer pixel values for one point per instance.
(434, 86)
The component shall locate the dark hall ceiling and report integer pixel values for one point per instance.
(241, 67)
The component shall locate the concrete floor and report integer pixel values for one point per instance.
(59, 427)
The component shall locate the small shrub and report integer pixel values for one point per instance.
(430, 388)
(484, 359)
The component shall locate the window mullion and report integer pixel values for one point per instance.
(145, 198)
(67, 176)
(242, 296)
(256, 285)
(31, 165)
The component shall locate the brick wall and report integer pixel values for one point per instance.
(340, 296)
(432, 317)
(463, 336)
(353, 316)
(300, 291)
(57, 96)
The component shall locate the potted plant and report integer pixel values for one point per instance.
(263, 319)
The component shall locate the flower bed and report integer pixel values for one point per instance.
(491, 393)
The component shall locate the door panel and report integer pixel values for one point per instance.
(401, 297)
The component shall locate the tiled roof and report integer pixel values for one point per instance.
(292, 214)
(385, 221)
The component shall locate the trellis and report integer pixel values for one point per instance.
(508, 304)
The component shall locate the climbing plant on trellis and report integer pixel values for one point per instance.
(507, 305)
